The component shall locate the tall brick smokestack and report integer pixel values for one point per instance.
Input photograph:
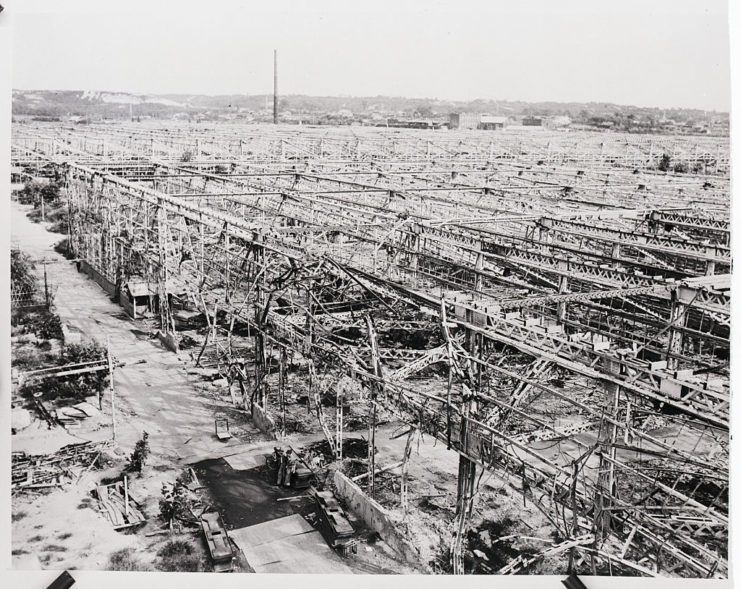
(275, 86)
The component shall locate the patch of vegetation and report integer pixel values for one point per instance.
(179, 556)
(665, 162)
(22, 268)
(54, 209)
(25, 359)
(63, 247)
(351, 448)
(140, 454)
(64, 536)
(18, 516)
(54, 548)
(33, 192)
(125, 560)
(44, 324)
(74, 386)
(36, 538)
(484, 539)
(44, 345)
(175, 503)
(294, 425)
(56, 214)
(187, 342)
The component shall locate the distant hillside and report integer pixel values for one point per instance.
(119, 105)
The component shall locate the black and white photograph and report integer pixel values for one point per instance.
(386, 288)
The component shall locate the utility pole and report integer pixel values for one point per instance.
(113, 388)
(375, 387)
(46, 288)
(275, 86)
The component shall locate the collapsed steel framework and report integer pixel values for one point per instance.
(578, 297)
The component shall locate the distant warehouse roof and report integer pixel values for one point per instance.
(493, 119)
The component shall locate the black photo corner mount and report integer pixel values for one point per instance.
(65, 580)
(573, 582)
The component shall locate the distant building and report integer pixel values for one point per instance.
(413, 123)
(558, 121)
(532, 121)
(464, 120)
(491, 122)
(472, 120)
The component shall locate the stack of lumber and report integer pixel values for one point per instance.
(118, 506)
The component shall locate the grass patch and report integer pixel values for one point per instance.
(179, 556)
(126, 560)
(19, 552)
(36, 538)
(54, 548)
(43, 324)
(18, 516)
(64, 536)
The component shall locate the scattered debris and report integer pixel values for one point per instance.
(53, 470)
(117, 504)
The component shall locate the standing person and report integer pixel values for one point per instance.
(290, 468)
(281, 463)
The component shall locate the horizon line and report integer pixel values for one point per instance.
(358, 96)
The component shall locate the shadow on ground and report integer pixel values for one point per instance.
(247, 497)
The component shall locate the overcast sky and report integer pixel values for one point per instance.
(661, 53)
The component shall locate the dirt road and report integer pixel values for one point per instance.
(154, 393)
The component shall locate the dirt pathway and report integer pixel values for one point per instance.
(154, 392)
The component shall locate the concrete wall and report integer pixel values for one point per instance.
(105, 284)
(169, 340)
(376, 518)
(127, 305)
(263, 420)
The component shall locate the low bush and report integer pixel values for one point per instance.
(179, 556)
(33, 192)
(63, 247)
(22, 268)
(44, 325)
(175, 503)
(126, 560)
(75, 386)
(140, 454)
